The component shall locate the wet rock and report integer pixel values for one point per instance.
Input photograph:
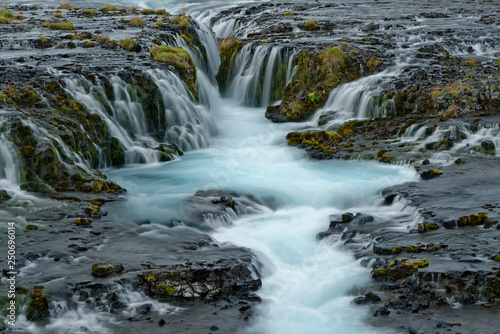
(103, 270)
(430, 174)
(38, 307)
(208, 281)
(370, 297)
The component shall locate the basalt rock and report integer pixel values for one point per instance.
(208, 282)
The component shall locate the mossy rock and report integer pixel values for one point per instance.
(430, 174)
(473, 220)
(414, 264)
(38, 308)
(106, 269)
(82, 222)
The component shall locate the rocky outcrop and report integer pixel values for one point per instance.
(203, 281)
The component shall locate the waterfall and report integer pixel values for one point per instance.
(360, 99)
(174, 117)
(259, 74)
(9, 164)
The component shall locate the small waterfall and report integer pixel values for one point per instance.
(360, 99)
(9, 164)
(142, 125)
(259, 74)
(223, 27)
(208, 62)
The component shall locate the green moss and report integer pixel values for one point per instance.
(108, 8)
(412, 249)
(288, 14)
(170, 290)
(162, 12)
(82, 222)
(57, 25)
(311, 25)
(178, 57)
(181, 20)
(315, 98)
(148, 11)
(89, 44)
(128, 44)
(38, 307)
(137, 22)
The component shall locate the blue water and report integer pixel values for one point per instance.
(306, 284)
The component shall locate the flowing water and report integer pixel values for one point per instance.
(307, 285)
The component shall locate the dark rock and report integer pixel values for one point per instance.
(106, 269)
(143, 309)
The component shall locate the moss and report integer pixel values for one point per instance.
(385, 158)
(470, 62)
(65, 5)
(311, 25)
(108, 8)
(162, 12)
(128, 44)
(473, 220)
(106, 269)
(7, 17)
(148, 11)
(38, 307)
(288, 14)
(57, 25)
(396, 250)
(89, 44)
(89, 12)
(182, 20)
(82, 222)
(96, 201)
(381, 273)
(93, 209)
(136, 22)
(31, 227)
(170, 290)
(412, 249)
(178, 57)
(159, 23)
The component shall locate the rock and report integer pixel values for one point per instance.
(473, 220)
(347, 217)
(208, 282)
(388, 200)
(430, 174)
(488, 145)
(82, 222)
(143, 309)
(103, 270)
(370, 297)
(414, 264)
(38, 307)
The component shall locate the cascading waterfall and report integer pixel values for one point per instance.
(259, 73)
(360, 99)
(186, 123)
(9, 164)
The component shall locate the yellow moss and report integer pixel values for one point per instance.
(176, 56)
(412, 249)
(136, 22)
(59, 25)
(181, 20)
(311, 25)
(385, 158)
(82, 221)
(381, 272)
(108, 9)
(397, 250)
